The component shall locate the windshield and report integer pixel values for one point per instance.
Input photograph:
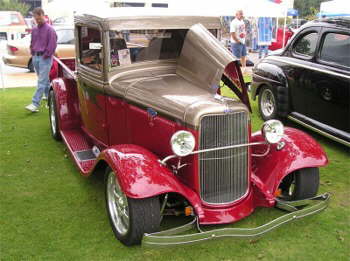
(127, 47)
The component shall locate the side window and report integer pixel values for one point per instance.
(90, 47)
(65, 36)
(306, 45)
(336, 49)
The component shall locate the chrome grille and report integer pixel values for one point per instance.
(223, 173)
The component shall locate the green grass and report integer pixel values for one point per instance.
(49, 212)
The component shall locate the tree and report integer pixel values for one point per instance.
(308, 8)
(14, 5)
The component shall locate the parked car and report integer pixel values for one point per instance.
(12, 25)
(309, 81)
(18, 53)
(63, 21)
(140, 104)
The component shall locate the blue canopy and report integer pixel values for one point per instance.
(292, 12)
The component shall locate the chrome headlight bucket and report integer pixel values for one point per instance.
(182, 143)
(273, 131)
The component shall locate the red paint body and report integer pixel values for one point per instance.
(132, 143)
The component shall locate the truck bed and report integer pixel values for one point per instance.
(63, 68)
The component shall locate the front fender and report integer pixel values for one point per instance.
(265, 73)
(300, 151)
(140, 174)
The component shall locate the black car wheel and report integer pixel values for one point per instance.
(31, 66)
(130, 218)
(53, 116)
(300, 184)
(267, 103)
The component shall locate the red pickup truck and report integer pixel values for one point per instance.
(141, 103)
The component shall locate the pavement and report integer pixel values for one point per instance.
(12, 77)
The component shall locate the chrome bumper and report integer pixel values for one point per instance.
(297, 210)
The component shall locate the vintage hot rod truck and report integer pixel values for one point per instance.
(141, 103)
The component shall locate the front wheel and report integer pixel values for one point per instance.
(130, 218)
(267, 103)
(300, 184)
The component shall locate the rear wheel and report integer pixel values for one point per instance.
(130, 218)
(53, 116)
(300, 184)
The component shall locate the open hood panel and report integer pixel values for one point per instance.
(205, 62)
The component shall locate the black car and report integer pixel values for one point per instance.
(309, 80)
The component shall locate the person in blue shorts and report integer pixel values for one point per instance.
(238, 35)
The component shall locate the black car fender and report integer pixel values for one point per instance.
(268, 74)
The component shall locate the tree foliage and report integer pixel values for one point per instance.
(14, 5)
(308, 8)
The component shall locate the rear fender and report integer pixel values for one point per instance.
(141, 175)
(66, 103)
(300, 151)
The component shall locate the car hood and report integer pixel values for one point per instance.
(174, 96)
(184, 88)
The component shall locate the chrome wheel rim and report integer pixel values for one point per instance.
(52, 117)
(117, 205)
(268, 103)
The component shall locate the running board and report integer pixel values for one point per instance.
(294, 116)
(84, 155)
(81, 149)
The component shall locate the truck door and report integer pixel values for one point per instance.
(92, 100)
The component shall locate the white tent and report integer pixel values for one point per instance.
(67, 8)
(253, 8)
(335, 8)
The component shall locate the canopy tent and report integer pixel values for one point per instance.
(251, 8)
(335, 8)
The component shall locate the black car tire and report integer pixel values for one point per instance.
(267, 103)
(54, 124)
(31, 66)
(143, 214)
(300, 184)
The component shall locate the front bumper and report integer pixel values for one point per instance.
(297, 210)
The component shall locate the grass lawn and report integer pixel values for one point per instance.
(49, 212)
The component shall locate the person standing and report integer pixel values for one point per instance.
(42, 47)
(264, 35)
(238, 35)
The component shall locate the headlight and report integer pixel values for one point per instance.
(182, 143)
(273, 131)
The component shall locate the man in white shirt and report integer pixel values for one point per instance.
(238, 34)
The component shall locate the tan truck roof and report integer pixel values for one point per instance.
(146, 18)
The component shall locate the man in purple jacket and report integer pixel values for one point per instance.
(42, 48)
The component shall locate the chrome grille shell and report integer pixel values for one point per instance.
(223, 174)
